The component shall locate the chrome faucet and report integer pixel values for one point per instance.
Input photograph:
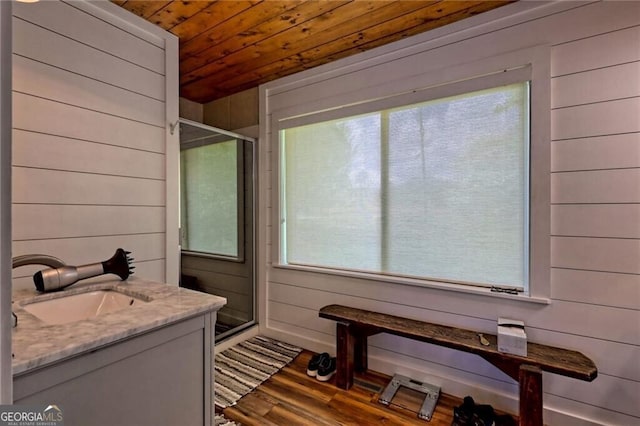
(33, 259)
(36, 259)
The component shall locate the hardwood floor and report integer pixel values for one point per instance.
(290, 397)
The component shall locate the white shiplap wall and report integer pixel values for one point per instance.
(595, 213)
(91, 99)
(5, 202)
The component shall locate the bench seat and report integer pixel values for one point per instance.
(355, 325)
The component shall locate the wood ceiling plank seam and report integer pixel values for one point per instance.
(177, 12)
(306, 35)
(243, 43)
(279, 69)
(337, 15)
(231, 26)
(334, 54)
(208, 19)
(350, 40)
(229, 73)
(482, 6)
(253, 33)
(145, 8)
(268, 28)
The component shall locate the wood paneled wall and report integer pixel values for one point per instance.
(595, 217)
(89, 141)
(6, 376)
(233, 112)
(190, 110)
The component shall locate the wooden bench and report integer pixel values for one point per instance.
(355, 325)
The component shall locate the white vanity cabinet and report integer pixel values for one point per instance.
(162, 377)
(148, 364)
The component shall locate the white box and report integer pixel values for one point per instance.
(512, 338)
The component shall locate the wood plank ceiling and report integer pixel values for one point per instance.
(227, 46)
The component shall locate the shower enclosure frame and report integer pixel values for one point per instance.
(241, 258)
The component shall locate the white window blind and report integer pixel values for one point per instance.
(435, 190)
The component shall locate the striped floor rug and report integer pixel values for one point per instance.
(221, 420)
(242, 367)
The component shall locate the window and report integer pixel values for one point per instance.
(209, 198)
(434, 189)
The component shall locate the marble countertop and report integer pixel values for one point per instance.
(36, 344)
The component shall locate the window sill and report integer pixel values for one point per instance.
(439, 285)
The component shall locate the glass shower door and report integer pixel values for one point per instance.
(217, 220)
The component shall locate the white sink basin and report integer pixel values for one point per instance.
(76, 307)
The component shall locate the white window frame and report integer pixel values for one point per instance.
(531, 64)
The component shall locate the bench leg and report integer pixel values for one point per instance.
(530, 379)
(360, 353)
(345, 342)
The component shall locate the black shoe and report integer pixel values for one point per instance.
(472, 414)
(326, 370)
(314, 363)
